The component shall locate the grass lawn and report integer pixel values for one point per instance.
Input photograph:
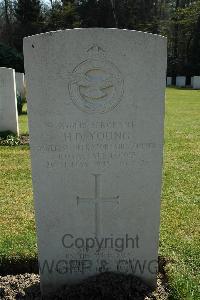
(23, 124)
(180, 215)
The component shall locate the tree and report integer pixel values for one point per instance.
(6, 21)
(195, 49)
(62, 15)
(29, 20)
(181, 24)
(28, 12)
(7, 12)
(176, 19)
(10, 58)
(141, 15)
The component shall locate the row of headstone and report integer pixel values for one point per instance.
(96, 115)
(8, 101)
(181, 81)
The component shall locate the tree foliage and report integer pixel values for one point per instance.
(9, 57)
(62, 15)
(28, 20)
(179, 20)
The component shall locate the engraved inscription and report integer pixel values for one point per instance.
(95, 49)
(98, 201)
(96, 86)
(99, 144)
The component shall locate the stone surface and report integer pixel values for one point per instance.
(169, 81)
(96, 113)
(8, 102)
(180, 81)
(20, 85)
(196, 82)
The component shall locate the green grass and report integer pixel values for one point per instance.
(23, 124)
(17, 224)
(180, 214)
(17, 229)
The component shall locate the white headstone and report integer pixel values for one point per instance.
(169, 81)
(196, 82)
(8, 101)
(96, 113)
(20, 86)
(180, 81)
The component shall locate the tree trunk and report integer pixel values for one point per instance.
(6, 13)
(176, 32)
(114, 12)
(7, 21)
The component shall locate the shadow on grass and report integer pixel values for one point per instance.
(18, 266)
(23, 113)
(189, 88)
(106, 285)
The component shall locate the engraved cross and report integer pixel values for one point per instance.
(98, 201)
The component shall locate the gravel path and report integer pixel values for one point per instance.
(105, 286)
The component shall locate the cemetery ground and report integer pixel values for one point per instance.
(180, 224)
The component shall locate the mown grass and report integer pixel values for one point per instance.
(17, 224)
(180, 215)
(17, 229)
(23, 124)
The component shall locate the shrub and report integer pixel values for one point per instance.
(8, 138)
(21, 100)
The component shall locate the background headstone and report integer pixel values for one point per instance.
(169, 81)
(196, 82)
(8, 101)
(20, 84)
(180, 81)
(96, 132)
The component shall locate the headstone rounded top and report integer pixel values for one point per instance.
(7, 69)
(95, 30)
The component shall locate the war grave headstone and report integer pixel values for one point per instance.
(8, 101)
(20, 85)
(196, 82)
(180, 81)
(169, 81)
(96, 112)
